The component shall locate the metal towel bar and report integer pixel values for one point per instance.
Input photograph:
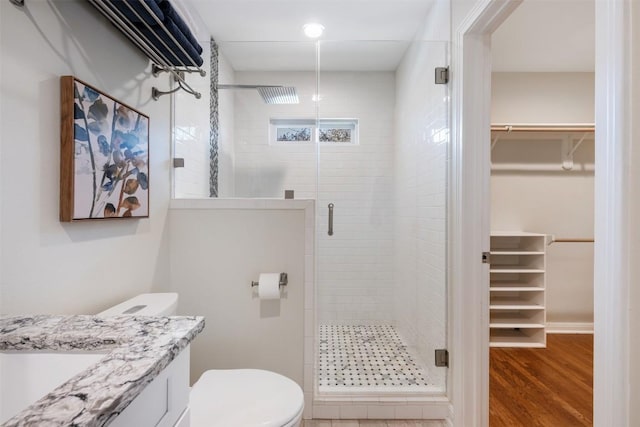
(142, 41)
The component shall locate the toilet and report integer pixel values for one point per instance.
(231, 397)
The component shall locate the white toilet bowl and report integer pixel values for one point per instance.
(245, 397)
(228, 398)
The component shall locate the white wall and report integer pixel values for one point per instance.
(421, 148)
(47, 266)
(531, 192)
(634, 296)
(215, 254)
(542, 97)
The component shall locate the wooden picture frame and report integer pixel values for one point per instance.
(104, 155)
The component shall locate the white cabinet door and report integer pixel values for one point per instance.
(163, 402)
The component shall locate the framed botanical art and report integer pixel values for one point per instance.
(104, 155)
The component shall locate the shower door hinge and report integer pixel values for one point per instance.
(486, 257)
(442, 358)
(442, 75)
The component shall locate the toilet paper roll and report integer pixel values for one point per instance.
(269, 286)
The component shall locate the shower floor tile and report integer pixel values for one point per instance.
(366, 358)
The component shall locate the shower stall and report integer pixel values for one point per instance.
(368, 140)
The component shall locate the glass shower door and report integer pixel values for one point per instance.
(383, 141)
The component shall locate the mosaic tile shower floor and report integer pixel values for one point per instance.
(357, 358)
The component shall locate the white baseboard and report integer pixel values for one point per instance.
(569, 328)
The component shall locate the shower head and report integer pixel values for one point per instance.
(278, 94)
(271, 94)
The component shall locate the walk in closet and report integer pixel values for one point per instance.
(542, 214)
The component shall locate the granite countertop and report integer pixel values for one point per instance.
(139, 347)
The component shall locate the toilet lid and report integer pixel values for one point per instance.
(244, 398)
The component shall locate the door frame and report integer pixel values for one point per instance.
(469, 209)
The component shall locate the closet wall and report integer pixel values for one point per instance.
(531, 192)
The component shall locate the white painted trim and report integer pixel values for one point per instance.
(569, 328)
(217, 203)
(469, 211)
(450, 417)
(612, 223)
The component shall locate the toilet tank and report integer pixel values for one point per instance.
(160, 304)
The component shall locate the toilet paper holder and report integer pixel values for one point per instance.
(284, 279)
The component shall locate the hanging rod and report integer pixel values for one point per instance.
(160, 60)
(571, 240)
(543, 127)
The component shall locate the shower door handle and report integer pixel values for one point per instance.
(330, 232)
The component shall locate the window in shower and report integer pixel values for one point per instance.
(331, 131)
(339, 131)
(292, 130)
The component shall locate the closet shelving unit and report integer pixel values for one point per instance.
(517, 289)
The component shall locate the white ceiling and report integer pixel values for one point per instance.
(365, 23)
(541, 35)
(547, 36)
(282, 20)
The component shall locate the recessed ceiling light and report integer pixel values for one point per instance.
(313, 30)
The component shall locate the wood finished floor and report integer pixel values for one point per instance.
(550, 387)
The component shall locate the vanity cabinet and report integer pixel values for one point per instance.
(517, 315)
(164, 402)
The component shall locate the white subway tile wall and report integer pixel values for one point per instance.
(191, 127)
(355, 264)
(226, 133)
(421, 143)
(191, 135)
(263, 169)
(355, 277)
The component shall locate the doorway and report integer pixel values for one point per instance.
(542, 215)
(471, 142)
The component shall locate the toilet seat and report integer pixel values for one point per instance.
(245, 398)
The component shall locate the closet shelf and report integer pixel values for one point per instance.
(572, 136)
(514, 323)
(515, 305)
(156, 28)
(515, 252)
(517, 338)
(516, 320)
(506, 288)
(513, 269)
